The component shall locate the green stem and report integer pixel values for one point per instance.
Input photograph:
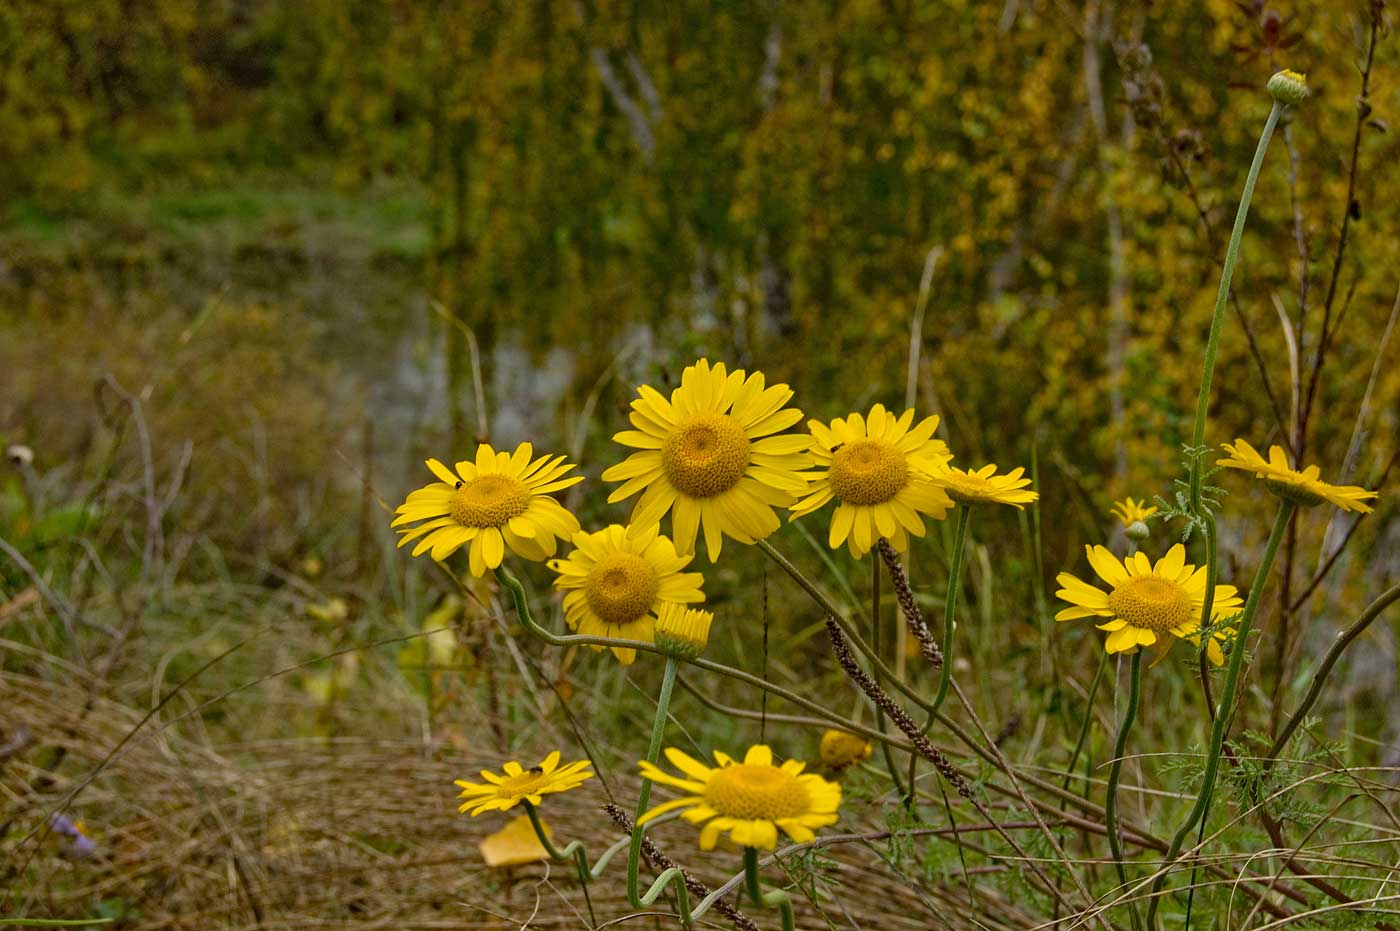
(658, 730)
(950, 603)
(1226, 704)
(1232, 252)
(1086, 723)
(574, 850)
(1114, 771)
(673, 877)
(770, 899)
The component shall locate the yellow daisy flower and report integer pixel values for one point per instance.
(501, 500)
(878, 471)
(712, 456)
(984, 486)
(1146, 601)
(1303, 488)
(840, 749)
(616, 580)
(517, 784)
(751, 800)
(1130, 512)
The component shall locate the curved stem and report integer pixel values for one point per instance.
(950, 603)
(754, 885)
(1232, 252)
(1114, 771)
(574, 850)
(1224, 710)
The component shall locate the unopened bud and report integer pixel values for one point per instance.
(1289, 87)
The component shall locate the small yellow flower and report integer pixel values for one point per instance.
(1130, 512)
(517, 784)
(984, 486)
(840, 749)
(501, 500)
(683, 632)
(877, 469)
(714, 456)
(616, 580)
(1303, 488)
(516, 844)
(1147, 602)
(751, 800)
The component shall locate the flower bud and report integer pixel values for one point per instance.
(841, 749)
(1289, 87)
(682, 632)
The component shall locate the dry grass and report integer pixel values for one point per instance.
(341, 833)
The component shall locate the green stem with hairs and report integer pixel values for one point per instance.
(1225, 706)
(950, 604)
(658, 730)
(1217, 319)
(1110, 810)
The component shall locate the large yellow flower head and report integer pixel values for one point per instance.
(1303, 488)
(712, 456)
(750, 800)
(984, 486)
(501, 500)
(517, 784)
(879, 472)
(1146, 602)
(616, 580)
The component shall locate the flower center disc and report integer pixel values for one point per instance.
(706, 456)
(868, 472)
(1152, 603)
(621, 588)
(754, 792)
(523, 784)
(489, 501)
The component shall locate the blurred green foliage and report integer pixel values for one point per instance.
(772, 174)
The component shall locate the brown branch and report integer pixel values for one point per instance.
(1363, 112)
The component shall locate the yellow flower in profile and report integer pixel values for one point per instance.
(878, 471)
(1303, 488)
(683, 632)
(984, 486)
(714, 456)
(1130, 512)
(751, 800)
(1146, 602)
(499, 501)
(517, 784)
(616, 580)
(516, 844)
(840, 749)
